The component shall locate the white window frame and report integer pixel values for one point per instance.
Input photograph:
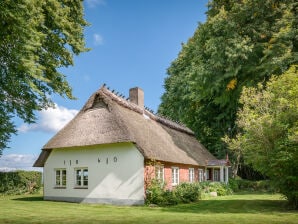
(175, 176)
(191, 175)
(60, 178)
(200, 175)
(81, 180)
(160, 173)
(216, 175)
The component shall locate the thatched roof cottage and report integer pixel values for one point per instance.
(114, 146)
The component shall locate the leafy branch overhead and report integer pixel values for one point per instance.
(37, 38)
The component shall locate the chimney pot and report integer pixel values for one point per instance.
(136, 96)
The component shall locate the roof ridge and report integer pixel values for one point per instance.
(131, 106)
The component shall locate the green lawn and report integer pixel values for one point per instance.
(245, 208)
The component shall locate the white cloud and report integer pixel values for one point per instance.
(98, 39)
(50, 120)
(94, 3)
(13, 162)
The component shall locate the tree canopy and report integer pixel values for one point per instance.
(269, 123)
(37, 38)
(241, 44)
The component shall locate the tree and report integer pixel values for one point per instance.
(269, 124)
(37, 38)
(241, 44)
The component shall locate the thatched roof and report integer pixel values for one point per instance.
(107, 118)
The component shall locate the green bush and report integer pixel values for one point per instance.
(169, 198)
(248, 185)
(156, 194)
(20, 182)
(233, 184)
(183, 193)
(221, 189)
(188, 192)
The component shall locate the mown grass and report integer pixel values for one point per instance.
(245, 208)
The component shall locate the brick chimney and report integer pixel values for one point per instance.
(136, 96)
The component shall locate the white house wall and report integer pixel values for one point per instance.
(115, 174)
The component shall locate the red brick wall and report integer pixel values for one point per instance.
(183, 172)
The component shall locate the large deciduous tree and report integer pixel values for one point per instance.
(241, 44)
(269, 123)
(37, 38)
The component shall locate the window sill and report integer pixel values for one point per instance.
(80, 188)
(58, 187)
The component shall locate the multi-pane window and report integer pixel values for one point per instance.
(201, 175)
(175, 175)
(159, 173)
(191, 175)
(60, 177)
(81, 177)
(216, 175)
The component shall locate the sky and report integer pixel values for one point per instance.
(132, 43)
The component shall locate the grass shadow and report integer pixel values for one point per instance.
(230, 206)
(33, 198)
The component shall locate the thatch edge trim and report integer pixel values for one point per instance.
(42, 158)
(137, 109)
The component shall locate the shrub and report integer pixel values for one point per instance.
(222, 189)
(248, 185)
(20, 182)
(188, 192)
(183, 193)
(233, 184)
(156, 194)
(169, 198)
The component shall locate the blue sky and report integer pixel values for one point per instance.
(133, 43)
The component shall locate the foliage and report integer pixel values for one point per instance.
(188, 192)
(156, 194)
(221, 189)
(20, 182)
(239, 184)
(150, 173)
(183, 193)
(269, 120)
(37, 38)
(241, 44)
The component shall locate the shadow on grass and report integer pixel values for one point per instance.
(230, 206)
(33, 198)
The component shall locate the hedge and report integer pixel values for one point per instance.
(183, 193)
(20, 182)
(249, 185)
